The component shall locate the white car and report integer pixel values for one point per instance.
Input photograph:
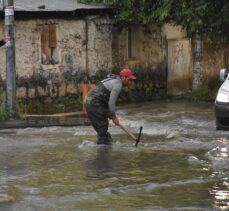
(222, 102)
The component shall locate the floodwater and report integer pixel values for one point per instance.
(181, 163)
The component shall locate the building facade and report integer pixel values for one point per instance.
(60, 46)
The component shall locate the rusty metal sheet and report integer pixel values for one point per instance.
(179, 64)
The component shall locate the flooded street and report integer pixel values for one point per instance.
(181, 163)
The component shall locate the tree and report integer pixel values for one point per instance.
(202, 19)
(205, 17)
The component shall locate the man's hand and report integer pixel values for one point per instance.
(114, 118)
(6, 38)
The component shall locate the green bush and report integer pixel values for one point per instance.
(4, 113)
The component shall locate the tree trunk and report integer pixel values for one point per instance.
(197, 67)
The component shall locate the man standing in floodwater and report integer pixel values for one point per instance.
(4, 40)
(100, 103)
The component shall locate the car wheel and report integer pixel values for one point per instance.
(218, 125)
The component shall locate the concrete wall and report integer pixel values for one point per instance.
(179, 76)
(179, 66)
(148, 59)
(99, 45)
(215, 57)
(149, 48)
(92, 44)
(83, 48)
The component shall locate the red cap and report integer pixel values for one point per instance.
(127, 73)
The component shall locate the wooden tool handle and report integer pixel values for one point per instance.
(128, 132)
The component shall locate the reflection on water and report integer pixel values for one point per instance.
(220, 190)
(103, 161)
(221, 194)
(181, 164)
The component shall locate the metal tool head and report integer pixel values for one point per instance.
(139, 136)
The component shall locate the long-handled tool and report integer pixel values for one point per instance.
(137, 139)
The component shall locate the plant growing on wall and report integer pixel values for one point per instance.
(207, 18)
(202, 19)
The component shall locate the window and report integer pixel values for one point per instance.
(48, 44)
(132, 43)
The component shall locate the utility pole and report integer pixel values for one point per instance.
(10, 58)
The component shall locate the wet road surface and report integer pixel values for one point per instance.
(181, 163)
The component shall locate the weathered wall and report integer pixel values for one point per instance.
(83, 47)
(99, 45)
(215, 57)
(148, 59)
(35, 79)
(150, 47)
(179, 66)
(88, 45)
(181, 58)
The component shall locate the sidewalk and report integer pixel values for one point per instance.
(63, 120)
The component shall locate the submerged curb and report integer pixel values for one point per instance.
(46, 121)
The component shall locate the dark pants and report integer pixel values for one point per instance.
(96, 105)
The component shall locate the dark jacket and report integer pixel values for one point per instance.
(2, 42)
